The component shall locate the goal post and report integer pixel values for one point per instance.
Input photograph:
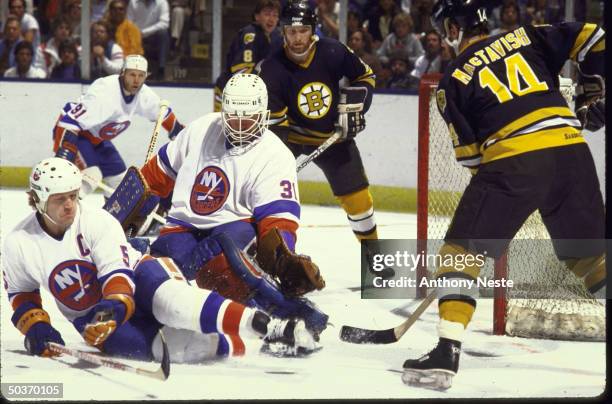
(566, 310)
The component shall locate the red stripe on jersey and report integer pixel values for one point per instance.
(168, 123)
(25, 297)
(238, 348)
(157, 180)
(231, 318)
(270, 223)
(89, 136)
(117, 284)
(173, 229)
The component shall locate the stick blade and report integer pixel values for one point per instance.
(356, 335)
(165, 362)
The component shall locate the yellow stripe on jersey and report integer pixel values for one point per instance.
(583, 37)
(312, 140)
(247, 67)
(599, 46)
(278, 114)
(467, 151)
(529, 119)
(368, 77)
(543, 139)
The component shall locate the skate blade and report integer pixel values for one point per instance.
(435, 379)
(280, 350)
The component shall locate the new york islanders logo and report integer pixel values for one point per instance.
(75, 284)
(314, 100)
(210, 191)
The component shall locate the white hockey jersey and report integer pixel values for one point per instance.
(214, 185)
(92, 258)
(104, 112)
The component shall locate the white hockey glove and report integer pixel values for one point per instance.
(350, 111)
(591, 102)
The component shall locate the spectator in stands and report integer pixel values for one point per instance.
(420, 11)
(251, 45)
(11, 37)
(23, 69)
(47, 54)
(509, 18)
(98, 8)
(399, 62)
(379, 22)
(106, 55)
(402, 38)
(354, 22)
(68, 68)
(361, 43)
(545, 11)
(71, 10)
(153, 19)
(126, 33)
(30, 30)
(180, 11)
(436, 58)
(327, 14)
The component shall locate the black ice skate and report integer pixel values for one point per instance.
(385, 272)
(288, 338)
(436, 369)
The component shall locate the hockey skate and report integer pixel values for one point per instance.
(436, 369)
(288, 338)
(385, 272)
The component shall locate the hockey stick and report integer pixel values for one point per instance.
(160, 374)
(158, 124)
(356, 335)
(324, 146)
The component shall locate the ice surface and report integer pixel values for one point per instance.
(491, 366)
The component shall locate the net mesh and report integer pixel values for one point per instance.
(569, 312)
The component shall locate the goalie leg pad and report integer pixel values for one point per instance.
(267, 296)
(218, 275)
(132, 201)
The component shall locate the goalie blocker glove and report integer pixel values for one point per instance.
(350, 111)
(590, 102)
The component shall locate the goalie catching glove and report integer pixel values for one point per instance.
(591, 102)
(296, 273)
(350, 111)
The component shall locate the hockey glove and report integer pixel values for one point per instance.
(68, 148)
(104, 318)
(38, 336)
(591, 102)
(175, 130)
(297, 274)
(350, 111)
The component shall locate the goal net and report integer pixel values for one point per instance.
(568, 310)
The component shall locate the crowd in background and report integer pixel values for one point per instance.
(41, 38)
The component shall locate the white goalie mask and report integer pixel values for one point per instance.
(51, 176)
(244, 109)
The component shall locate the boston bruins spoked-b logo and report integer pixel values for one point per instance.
(314, 100)
(210, 191)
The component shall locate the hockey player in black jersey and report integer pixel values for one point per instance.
(252, 43)
(512, 128)
(304, 96)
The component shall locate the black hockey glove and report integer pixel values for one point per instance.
(591, 102)
(350, 111)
